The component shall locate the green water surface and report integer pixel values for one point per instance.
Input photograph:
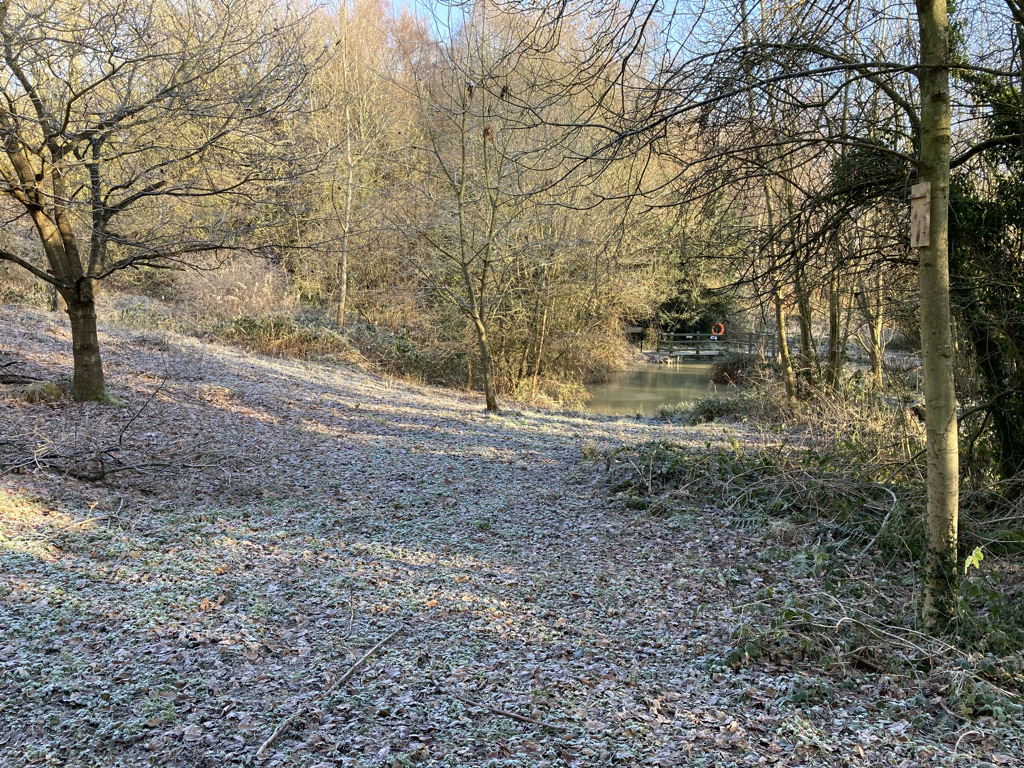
(645, 389)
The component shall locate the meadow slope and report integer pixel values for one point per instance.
(181, 575)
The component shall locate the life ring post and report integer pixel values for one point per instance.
(717, 329)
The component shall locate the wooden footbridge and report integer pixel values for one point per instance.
(681, 345)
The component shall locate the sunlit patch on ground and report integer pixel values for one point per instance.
(29, 527)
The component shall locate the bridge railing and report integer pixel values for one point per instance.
(696, 344)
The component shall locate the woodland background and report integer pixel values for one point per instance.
(371, 200)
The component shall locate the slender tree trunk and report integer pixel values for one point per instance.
(346, 217)
(871, 311)
(531, 342)
(833, 370)
(521, 371)
(540, 352)
(486, 366)
(803, 305)
(875, 350)
(784, 357)
(343, 261)
(346, 222)
(844, 339)
(88, 382)
(941, 573)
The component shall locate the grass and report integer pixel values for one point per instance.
(848, 542)
(729, 407)
(272, 333)
(40, 392)
(280, 334)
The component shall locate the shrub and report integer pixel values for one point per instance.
(426, 356)
(218, 290)
(282, 335)
(568, 394)
(765, 403)
(738, 370)
(730, 406)
(246, 285)
(838, 494)
(145, 313)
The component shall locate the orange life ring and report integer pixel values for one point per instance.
(718, 329)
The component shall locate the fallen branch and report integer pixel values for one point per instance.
(283, 727)
(506, 713)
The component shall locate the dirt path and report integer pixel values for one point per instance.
(177, 584)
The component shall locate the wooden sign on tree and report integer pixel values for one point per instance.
(920, 214)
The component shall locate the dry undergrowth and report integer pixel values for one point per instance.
(182, 575)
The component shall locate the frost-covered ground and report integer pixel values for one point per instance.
(181, 575)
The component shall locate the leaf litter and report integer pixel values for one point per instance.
(187, 574)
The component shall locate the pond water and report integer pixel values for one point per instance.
(644, 390)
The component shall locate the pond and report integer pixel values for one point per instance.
(645, 389)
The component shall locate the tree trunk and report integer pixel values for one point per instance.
(346, 222)
(875, 355)
(871, 311)
(540, 353)
(523, 358)
(343, 281)
(834, 367)
(808, 363)
(486, 366)
(941, 572)
(88, 383)
(784, 357)
(346, 219)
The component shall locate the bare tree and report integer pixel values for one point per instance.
(114, 114)
(487, 174)
(362, 108)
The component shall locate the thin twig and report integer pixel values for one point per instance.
(910, 461)
(506, 713)
(283, 727)
(885, 521)
(351, 670)
(80, 523)
(120, 435)
(964, 736)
